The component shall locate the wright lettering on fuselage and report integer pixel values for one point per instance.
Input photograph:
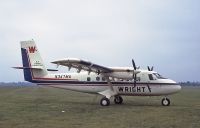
(134, 89)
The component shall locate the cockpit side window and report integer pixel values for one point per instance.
(158, 76)
(150, 76)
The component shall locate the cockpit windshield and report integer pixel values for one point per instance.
(158, 76)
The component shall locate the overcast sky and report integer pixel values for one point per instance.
(162, 33)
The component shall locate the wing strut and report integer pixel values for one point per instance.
(108, 93)
(110, 84)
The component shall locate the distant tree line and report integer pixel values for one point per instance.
(188, 83)
(16, 84)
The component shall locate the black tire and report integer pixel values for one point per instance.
(165, 102)
(105, 102)
(118, 100)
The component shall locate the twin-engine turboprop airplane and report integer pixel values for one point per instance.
(96, 79)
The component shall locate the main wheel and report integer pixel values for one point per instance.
(105, 102)
(118, 100)
(165, 102)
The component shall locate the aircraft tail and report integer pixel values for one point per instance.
(33, 65)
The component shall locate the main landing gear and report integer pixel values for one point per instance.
(106, 102)
(165, 101)
(118, 100)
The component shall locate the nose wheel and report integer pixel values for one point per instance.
(165, 102)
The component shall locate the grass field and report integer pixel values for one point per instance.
(41, 107)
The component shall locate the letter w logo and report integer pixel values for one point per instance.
(32, 49)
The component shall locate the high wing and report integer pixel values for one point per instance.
(82, 65)
(121, 73)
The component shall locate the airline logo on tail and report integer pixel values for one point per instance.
(32, 49)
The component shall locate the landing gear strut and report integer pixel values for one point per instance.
(165, 102)
(105, 101)
(118, 100)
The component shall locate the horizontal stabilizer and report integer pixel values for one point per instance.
(27, 68)
(52, 70)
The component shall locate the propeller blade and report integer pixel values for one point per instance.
(133, 63)
(152, 68)
(135, 79)
(134, 75)
(148, 68)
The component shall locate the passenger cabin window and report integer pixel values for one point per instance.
(88, 79)
(97, 78)
(103, 79)
(137, 78)
(150, 77)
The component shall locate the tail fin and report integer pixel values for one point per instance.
(33, 65)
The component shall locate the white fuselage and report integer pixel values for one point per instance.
(93, 83)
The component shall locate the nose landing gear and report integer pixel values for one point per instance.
(165, 101)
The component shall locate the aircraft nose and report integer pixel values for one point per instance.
(178, 88)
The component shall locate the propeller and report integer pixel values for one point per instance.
(150, 69)
(134, 74)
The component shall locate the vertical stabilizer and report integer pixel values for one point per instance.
(33, 65)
